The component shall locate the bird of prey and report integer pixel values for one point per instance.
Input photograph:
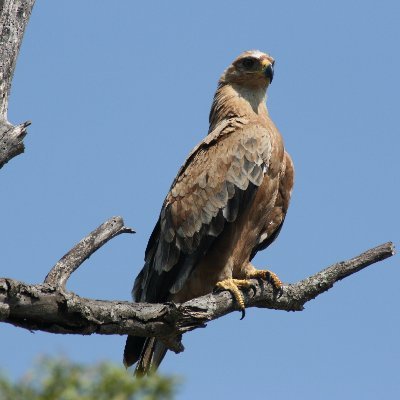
(227, 202)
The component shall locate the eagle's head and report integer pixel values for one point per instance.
(251, 69)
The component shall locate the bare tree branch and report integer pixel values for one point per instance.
(14, 16)
(60, 273)
(49, 308)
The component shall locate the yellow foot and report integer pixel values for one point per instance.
(270, 277)
(233, 285)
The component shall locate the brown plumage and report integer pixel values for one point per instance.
(228, 201)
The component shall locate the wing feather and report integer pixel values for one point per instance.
(220, 176)
(277, 214)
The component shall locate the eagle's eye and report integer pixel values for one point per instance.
(248, 62)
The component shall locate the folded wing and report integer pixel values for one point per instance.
(217, 181)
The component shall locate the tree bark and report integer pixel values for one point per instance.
(48, 307)
(14, 16)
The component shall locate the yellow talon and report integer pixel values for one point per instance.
(270, 277)
(232, 285)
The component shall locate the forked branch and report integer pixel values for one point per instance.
(60, 273)
(49, 307)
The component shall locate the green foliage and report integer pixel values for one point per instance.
(61, 379)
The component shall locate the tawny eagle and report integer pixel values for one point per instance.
(228, 201)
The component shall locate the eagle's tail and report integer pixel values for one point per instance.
(147, 352)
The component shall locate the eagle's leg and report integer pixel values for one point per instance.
(233, 285)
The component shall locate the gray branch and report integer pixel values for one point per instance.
(48, 307)
(14, 16)
(60, 273)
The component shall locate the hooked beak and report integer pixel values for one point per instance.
(269, 72)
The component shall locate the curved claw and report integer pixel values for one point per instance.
(253, 287)
(232, 285)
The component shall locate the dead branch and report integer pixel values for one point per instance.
(14, 16)
(60, 273)
(48, 307)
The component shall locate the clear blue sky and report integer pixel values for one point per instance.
(118, 94)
